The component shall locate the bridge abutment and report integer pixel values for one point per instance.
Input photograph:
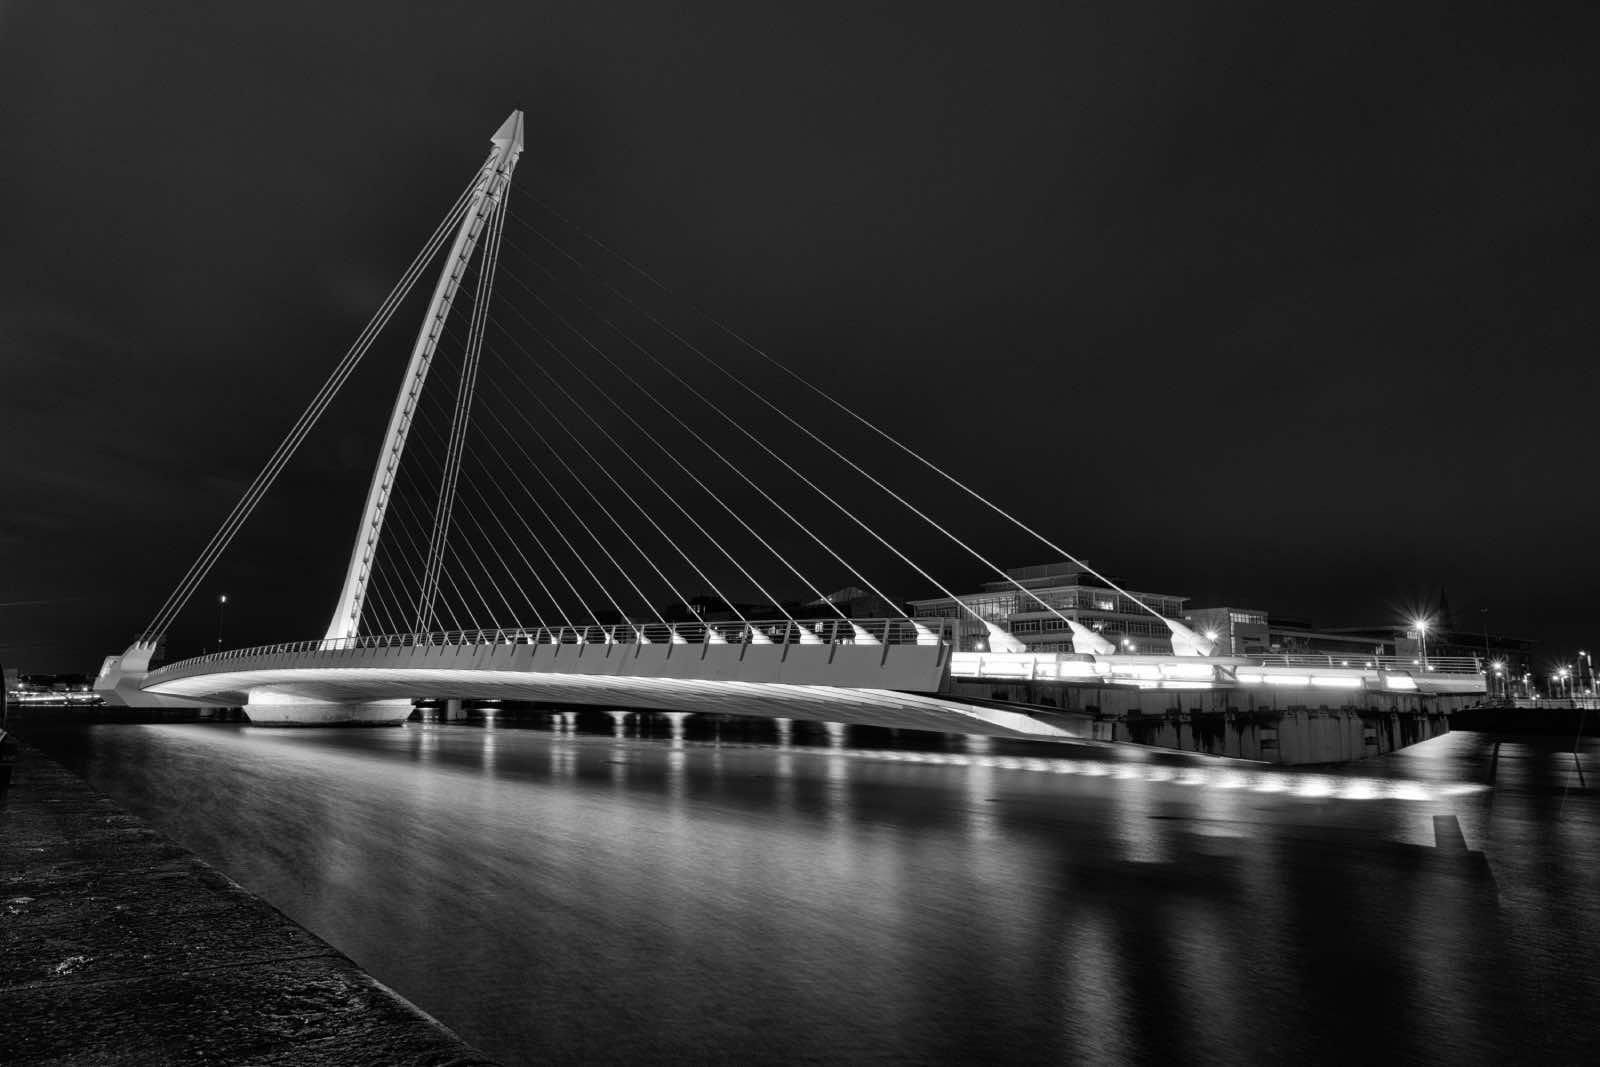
(1285, 725)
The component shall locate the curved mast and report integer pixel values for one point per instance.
(493, 179)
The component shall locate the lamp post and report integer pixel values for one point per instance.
(1590, 664)
(1499, 668)
(222, 602)
(1422, 632)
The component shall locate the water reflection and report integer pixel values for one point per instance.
(801, 892)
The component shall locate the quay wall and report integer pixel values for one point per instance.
(1290, 726)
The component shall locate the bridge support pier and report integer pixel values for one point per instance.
(266, 708)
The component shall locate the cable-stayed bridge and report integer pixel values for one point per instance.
(560, 512)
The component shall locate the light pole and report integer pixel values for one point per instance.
(222, 602)
(1499, 667)
(1590, 664)
(1422, 632)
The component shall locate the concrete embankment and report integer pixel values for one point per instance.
(1282, 726)
(117, 946)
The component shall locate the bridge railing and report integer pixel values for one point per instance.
(875, 632)
(1434, 664)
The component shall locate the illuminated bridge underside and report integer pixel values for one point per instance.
(867, 685)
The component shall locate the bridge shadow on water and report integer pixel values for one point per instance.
(636, 887)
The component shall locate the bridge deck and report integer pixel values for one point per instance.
(889, 685)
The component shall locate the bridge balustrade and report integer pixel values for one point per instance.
(1434, 664)
(755, 632)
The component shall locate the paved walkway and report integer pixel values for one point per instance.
(117, 946)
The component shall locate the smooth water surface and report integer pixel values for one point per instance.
(566, 896)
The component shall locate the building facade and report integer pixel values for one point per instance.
(1068, 589)
(1237, 631)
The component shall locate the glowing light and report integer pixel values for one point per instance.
(1360, 789)
(1312, 787)
(1399, 681)
(1188, 670)
(1211, 635)
(1136, 670)
(1286, 679)
(1335, 682)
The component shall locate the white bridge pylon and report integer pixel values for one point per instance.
(511, 549)
(486, 206)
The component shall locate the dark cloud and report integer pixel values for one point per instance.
(1247, 302)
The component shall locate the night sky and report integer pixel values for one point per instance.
(1279, 307)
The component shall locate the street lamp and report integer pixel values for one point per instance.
(222, 602)
(1499, 667)
(1422, 632)
(1590, 663)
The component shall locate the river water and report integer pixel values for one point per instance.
(559, 895)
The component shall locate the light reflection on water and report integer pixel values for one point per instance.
(565, 895)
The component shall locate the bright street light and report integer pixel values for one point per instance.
(1422, 632)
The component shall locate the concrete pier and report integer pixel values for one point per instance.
(117, 946)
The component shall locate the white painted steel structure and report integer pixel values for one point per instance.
(880, 672)
(487, 197)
